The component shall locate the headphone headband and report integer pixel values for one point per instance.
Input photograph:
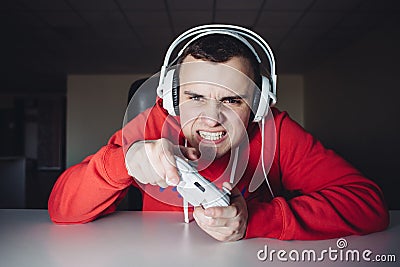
(222, 29)
(230, 33)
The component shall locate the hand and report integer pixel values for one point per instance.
(224, 223)
(153, 162)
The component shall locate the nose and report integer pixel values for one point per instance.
(212, 114)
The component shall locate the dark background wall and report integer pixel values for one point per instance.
(352, 105)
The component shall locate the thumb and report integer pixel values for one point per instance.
(227, 186)
(234, 191)
(188, 152)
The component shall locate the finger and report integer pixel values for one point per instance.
(188, 152)
(235, 193)
(221, 212)
(199, 215)
(204, 219)
(227, 186)
(139, 174)
(162, 183)
(170, 172)
(152, 172)
(221, 233)
(228, 227)
(155, 171)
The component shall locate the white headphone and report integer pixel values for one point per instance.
(268, 85)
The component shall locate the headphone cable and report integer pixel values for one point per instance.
(262, 156)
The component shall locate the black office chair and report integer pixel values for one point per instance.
(144, 94)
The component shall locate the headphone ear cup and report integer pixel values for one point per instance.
(175, 92)
(264, 100)
(256, 99)
(167, 97)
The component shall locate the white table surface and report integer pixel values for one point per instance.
(130, 238)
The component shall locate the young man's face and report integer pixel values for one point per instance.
(214, 103)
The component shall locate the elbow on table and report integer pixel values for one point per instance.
(60, 215)
(373, 214)
(58, 218)
(380, 221)
(375, 220)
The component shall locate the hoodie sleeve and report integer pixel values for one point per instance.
(95, 186)
(329, 197)
(92, 188)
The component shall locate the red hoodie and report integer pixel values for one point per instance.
(318, 195)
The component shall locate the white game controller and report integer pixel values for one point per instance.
(197, 190)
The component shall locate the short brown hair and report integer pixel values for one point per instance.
(221, 48)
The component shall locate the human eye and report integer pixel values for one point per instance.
(189, 95)
(195, 98)
(232, 101)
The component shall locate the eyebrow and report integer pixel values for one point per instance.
(222, 99)
(192, 94)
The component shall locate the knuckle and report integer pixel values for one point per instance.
(234, 210)
(162, 184)
(235, 225)
(214, 211)
(225, 223)
(231, 233)
(224, 238)
(211, 222)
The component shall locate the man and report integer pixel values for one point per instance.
(314, 193)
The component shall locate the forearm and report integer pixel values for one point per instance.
(333, 198)
(91, 188)
(332, 212)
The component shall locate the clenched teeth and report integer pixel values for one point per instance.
(212, 136)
